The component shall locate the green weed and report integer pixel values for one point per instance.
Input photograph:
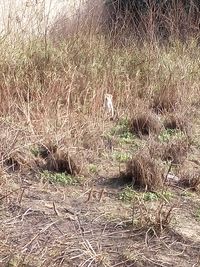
(197, 214)
(150, 196)
(121, 156)
(128, 194)
(60, 178)
(167, 195)
(154, 196)
(121, 130)
(168, 134)
(35, 151)
(93, 168)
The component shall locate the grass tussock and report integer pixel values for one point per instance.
(189, 176)
(176, 151)
(12, 163)
(154, 220)
(20, 160)
(44, 151)
(190, 181)
(178, 121)
(61, 162)
(167, 99)
(145, 123)
(53, 159)
(144, 171)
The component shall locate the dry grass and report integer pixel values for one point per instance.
(144, 171)
(178, 121)
(154, 220)
(50, 157)
(61, 162)
(144, 122)
(189, 176)
(52, 118)
(190, 181)
(167, 99)
(176, 151)
(152, 20)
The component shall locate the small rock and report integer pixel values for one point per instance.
(172, 178)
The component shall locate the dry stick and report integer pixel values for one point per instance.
(11, 145)
(24, 214)
(55, 210)
(8, 194)
(169, 169)
(18, 216)
(21, 195)
(120, 263)
(40, 232)
(165, 179)
(101, 194)
(90, 194)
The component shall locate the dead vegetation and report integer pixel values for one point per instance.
(52, 124)
(178, 121)
(145, 123)
(176, 151)
(61, 162)
(154, 220)
(190, 181)
(168, 99)
(189, 176)
(144, 171)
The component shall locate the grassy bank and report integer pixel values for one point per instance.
(55, 93)
(59, 149)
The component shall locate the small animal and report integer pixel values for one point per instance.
(108, 104)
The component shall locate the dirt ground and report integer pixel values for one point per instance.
(88, 225)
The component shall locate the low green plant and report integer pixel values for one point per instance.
(127, 194)
(121, 130)
(126, 138)
(197, 214)
(93, 168)
(60, 178)
(167, 195)
(121, 156)
(150, 196)
(155, 196)
(35, 151)
(168, 134)
(187, 193)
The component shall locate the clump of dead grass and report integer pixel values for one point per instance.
(19, 160)
(61, 162)
(155, 148)
(144, 123)
(190, 181)
(144, 171)
(154, 219)
(176, 151)
(189, 176)
(167, 99)
(12, 163)
(48, 156)
(177, 121)
(45, 150)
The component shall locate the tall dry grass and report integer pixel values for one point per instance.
(53, 92)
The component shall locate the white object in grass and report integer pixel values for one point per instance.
(108, 104)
